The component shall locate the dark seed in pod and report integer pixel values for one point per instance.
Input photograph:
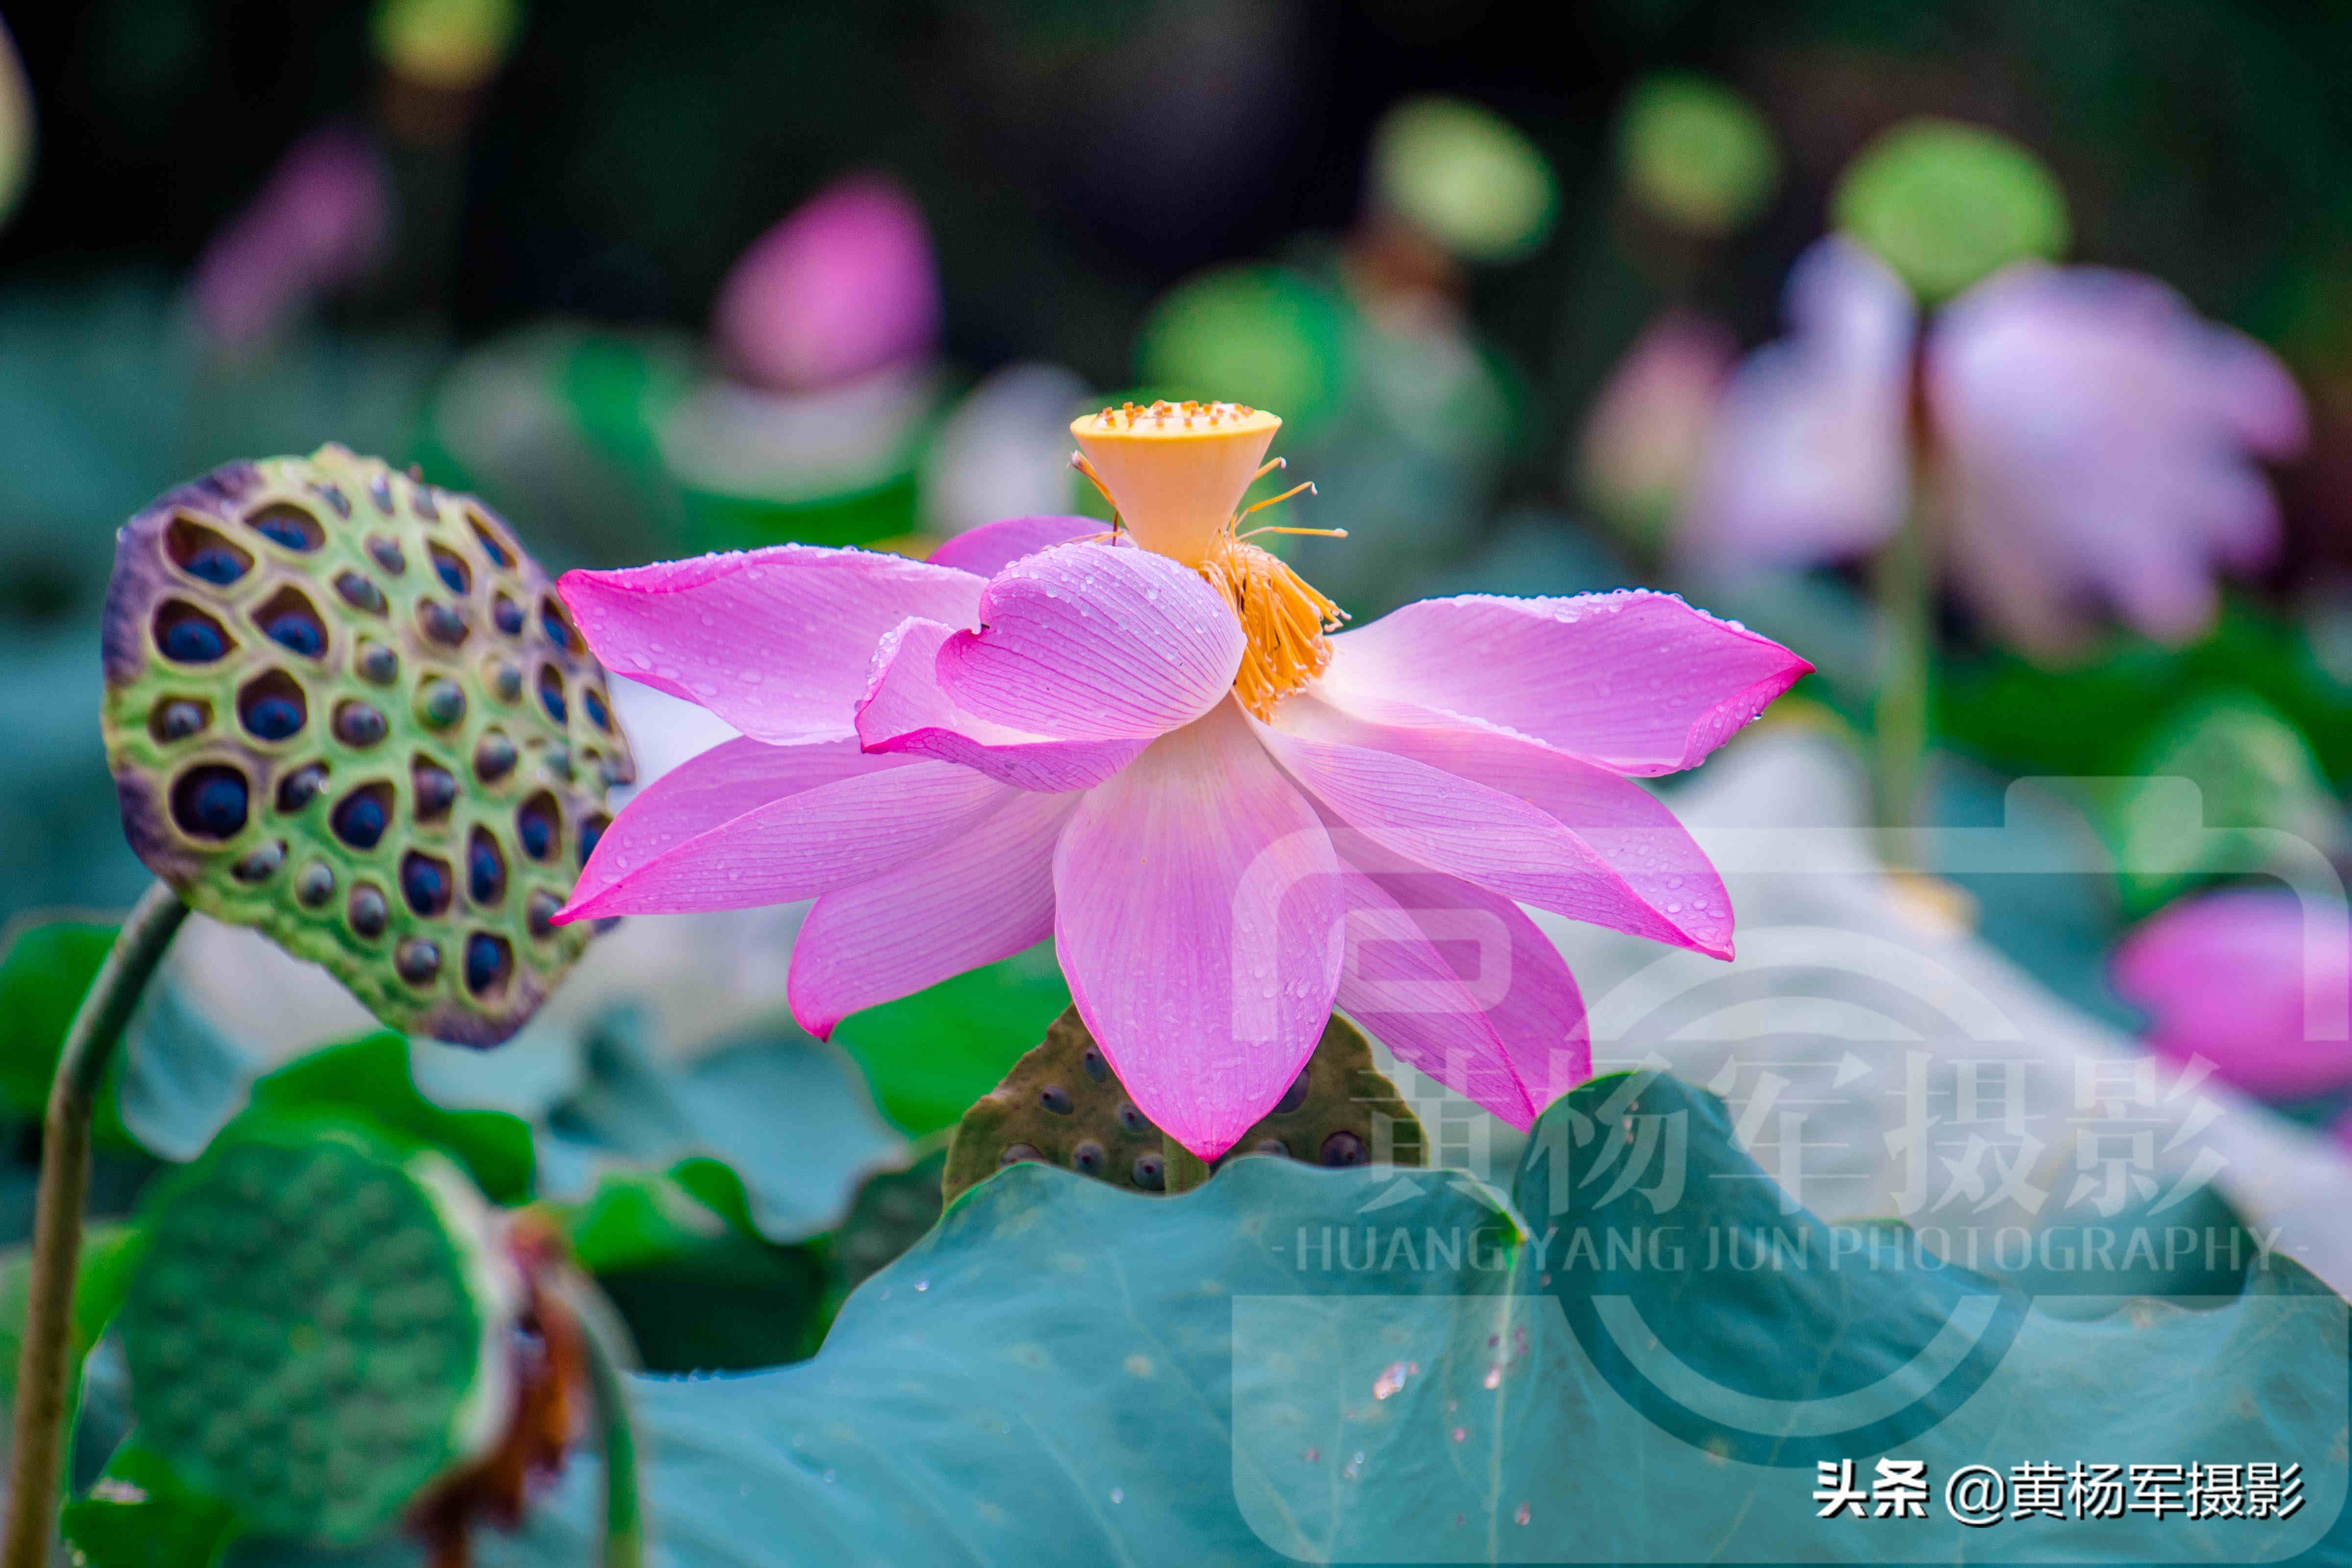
(491, 547)
(540, 913)
(592, 833)
(1132, 1120)
(506, 681)
(272, 706)
(1150, 1173)
(201, 553)
(1088, 1157)
(369, 911)
(360, 723)
(441, 623)
(551, 692)
(451, 568)
(1343, 1149)
(380, 492)
(314, 884)
(507, 615)
(1270, 1146)
(283, 522)
(428, 501)
(558, 625)
(178, 718)
(536, 825)
(425, 883)
(333, 495)
(359, 592)
(435, 788)
(591, 702)
(418, 959)
(378, 664)
(289, 621)
(259, 864)
(494, 757)
(299, 788)
(361, 816)
(441, 703)
(387, 555)
(1016, 1153)
(557, 760)
(488, 961)
(209, 802)
(1096, 1068)
(1055, 1099)
(485, 868)
(188, 636)
(1294, 1096)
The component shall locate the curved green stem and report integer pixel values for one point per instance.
(1185, 1169)
(41, 1365)
(1903, 583)
(609, 1360)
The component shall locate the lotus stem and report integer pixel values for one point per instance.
(41, 1365)
(1185, 1169)
(1903, 583)
(610, 1357)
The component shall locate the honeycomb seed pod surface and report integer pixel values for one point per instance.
(1063, 1105)
(343, 706)
(318, 1332)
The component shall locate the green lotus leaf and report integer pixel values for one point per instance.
(1293, 1364)
(1946, 203)
(343, 707)
(1696, 153)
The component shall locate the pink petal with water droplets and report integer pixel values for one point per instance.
(791, 848)
(907, 711)
(986, 894)
(778, 642)
(1637, 681)
(2222, 976)
(1199, 919)
(1085, 642)
(1512, 815)
(1459, 984)
(992, 547)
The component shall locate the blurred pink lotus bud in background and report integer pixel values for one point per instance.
(2222, 976)
(317, 225)
(1809, 459)
(2092, 443)
(1647, 434)
(844, 285)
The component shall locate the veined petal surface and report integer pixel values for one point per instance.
(992, 547)
(1511, 815)
(985, 894)
(778, 642)
(1637, 681)
(1198, 916)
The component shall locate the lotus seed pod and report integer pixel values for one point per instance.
(320, 1330)
(1063, 1105)
(343, 707)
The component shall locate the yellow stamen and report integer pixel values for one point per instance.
(1174, 474)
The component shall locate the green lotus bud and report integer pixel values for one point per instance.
(1696, 153)
(1063, 1105)
(343, 707)
(1946, 204)
(1467, 177)
(321, 1330)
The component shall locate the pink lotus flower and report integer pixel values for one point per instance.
(2089, 441)
(1647, 432)
(1148, 749)
(2228, 975)
(317, 225)
(842, 287)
